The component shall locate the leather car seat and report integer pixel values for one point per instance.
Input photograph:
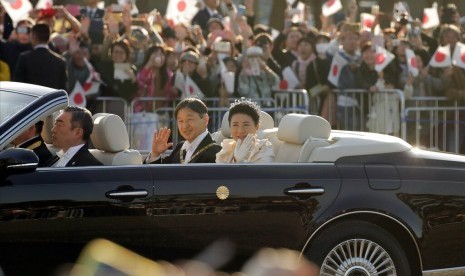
(111, 141)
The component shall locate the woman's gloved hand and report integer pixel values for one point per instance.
(243, 148)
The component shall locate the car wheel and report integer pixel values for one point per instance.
(358, 249)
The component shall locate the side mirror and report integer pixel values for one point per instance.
(17, 161)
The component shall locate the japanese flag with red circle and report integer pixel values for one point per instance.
(367, 21)
(93, 81)
(44, 4)
(181, 11)
(412, 65)
(331, 7)
(77, 97)
(441, 57)
(191, 89)
(336, 67)
(430, 18)
(458, 58)
(383, 58)
(17, 9)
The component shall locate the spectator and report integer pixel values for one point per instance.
(256, 79)
(5, 74)
(244, 119)
(305, 56)
(286, 56)
(349, 39)
(155, 80)
(203, 15)
(29, 68)
(264, 41)
(118, 74)
(189, 67)
(18, 43)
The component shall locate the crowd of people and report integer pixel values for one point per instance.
(223, 54)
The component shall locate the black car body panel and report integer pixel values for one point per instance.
(409, 202)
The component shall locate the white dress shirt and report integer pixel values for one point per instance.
(66, 156)
(191, 147)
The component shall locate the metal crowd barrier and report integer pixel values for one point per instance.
(436, 127)
(115, 105)
(290, 101)
(361, 110)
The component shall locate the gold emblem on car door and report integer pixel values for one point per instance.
(222, 192)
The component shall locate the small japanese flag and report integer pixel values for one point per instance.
(44, 4)
(77, 97)
(331, 7)
(179, 80)
(191, 89)
(383, 58)
(430, 18)
(441, 57)
(299, 16)
(17, 9)
(181, 11)
(290, 78)
(367, 21)
(412, 65)
(93, 81)
(336, 67)
(458, 58)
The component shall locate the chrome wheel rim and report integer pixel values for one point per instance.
(358, 257)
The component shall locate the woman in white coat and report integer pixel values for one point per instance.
(244, 119)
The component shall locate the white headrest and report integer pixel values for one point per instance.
(266, 122)
(110, 133)
(297, 128)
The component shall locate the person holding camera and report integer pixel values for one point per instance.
(18, 42)
(256, 79)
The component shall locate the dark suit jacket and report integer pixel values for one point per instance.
(42, 66)
(201, 18)
(40, 149)
(207, 156)
(82, 158)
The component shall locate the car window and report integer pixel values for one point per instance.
(11, 103)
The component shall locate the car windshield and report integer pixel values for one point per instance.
(11, 103)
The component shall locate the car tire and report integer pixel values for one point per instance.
(358, 248)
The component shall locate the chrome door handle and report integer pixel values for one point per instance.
(118, 194)
(305, 191)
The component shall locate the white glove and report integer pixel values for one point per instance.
(243, 148)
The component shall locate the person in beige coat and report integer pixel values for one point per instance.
(244, 146)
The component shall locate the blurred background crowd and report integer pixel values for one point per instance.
(225, 49)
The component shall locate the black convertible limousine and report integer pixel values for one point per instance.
(355, 203)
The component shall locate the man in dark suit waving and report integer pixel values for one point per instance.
(71, 133)
(41, 66)
(199, 147)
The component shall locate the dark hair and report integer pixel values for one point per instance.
(192, 103)
(247, 107)
(81, 117)
(263, 38)
(164, 67)
(123, 43)
(41, 32)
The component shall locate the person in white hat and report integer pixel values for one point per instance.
(256, 78)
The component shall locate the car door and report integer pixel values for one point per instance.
(251, 205)
(48, 216)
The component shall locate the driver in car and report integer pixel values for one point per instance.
(198, 147)
(31, 139)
